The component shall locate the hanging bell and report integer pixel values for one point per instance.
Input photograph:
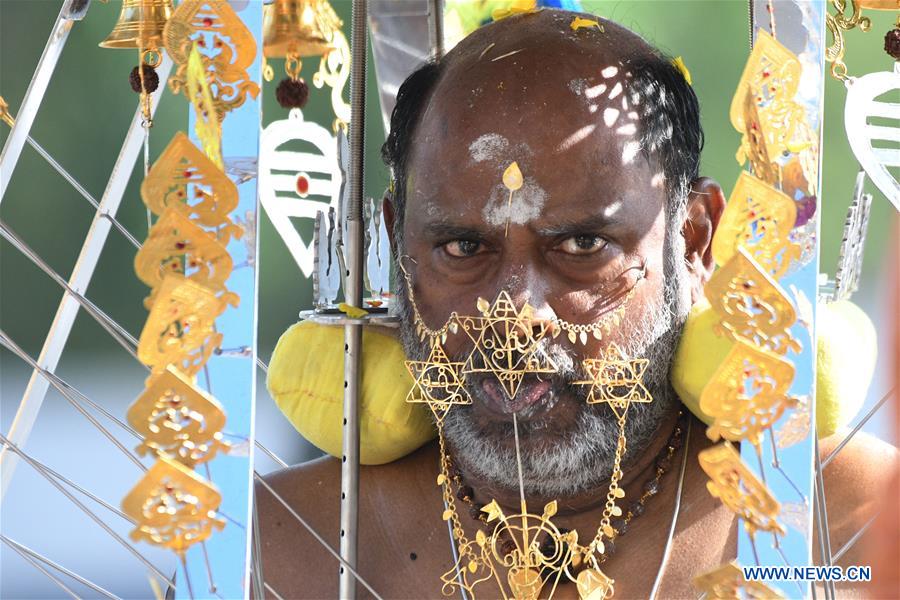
(299, 28)
(140, 25)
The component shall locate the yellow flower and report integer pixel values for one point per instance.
(678, 63)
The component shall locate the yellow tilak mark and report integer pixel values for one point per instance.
(678, 63)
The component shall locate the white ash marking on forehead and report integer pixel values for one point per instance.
(490, 146)
(527, 204)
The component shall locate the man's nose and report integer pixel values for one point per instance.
(531, 289)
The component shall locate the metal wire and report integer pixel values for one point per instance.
(87, 511)
(855, 538)
(6, 341)
(103, 592)
(114, 329)
(313, 533)
(822, 517)
(40, 568)
(857, 427)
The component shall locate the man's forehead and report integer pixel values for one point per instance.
(530, 90)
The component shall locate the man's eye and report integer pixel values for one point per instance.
(462, 248)
(582, 244)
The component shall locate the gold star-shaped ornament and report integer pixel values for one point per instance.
(616, 380)
(507, 341)
(437, 382)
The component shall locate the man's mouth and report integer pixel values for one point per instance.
(531, 393)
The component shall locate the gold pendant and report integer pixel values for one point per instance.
(185, 179)
(437, 382)
(593, 584)
(173, 507)
(506, 340)
(747, 394)
(178, 420)
(727, 582)
(739, 489)
(207, 124)
(227, 47)
(616, 380)
(179, 330)
(759, 218)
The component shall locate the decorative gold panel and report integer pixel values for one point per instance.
(177, 419)
(747, 394)
(173, 507)
(185, 179)
(752, 305)
(759, 218)
(177, 246)
(180, 329)
(226, 45)
(739, 489)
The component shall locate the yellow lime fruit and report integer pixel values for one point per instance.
(306, 379)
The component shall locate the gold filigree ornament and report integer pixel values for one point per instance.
(173, 507)
(437, 382)
(506, 342)
(747, 394)
(740, 490)
(753, 307)
(178, 420)
(185, 179)
(226, 46)
(513, 181)
(616, 380)
(770, 79)
(839, 22)
(176, 245)
(180, 328)
(759, 218)
(727, 583)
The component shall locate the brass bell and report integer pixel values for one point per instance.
(140, 25)
(298, 28)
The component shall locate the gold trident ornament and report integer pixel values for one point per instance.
(173, 507)
(506, 340)
(178, 420)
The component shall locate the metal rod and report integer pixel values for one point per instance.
(257, 575)
(854, 539)
(825, 535)
(12, 149)
(11, 345)
(353, 294)
(12, 447)
(40, 568)
(436, 28)
(270, 454)
(59, 567)
(30, 406)
(857, 427)
(315, 534)
(272, 591)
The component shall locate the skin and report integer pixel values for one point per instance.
(601, 218)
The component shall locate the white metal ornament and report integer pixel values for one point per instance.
(864, 101)
(297, 184)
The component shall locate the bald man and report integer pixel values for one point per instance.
(606, 133)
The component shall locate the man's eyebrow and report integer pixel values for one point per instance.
(442, 229)
(571, 227)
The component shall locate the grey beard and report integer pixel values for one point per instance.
(583, 456)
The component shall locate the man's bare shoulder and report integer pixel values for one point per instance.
(856, 485)
(295, 563)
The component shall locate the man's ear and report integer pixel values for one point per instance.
(704, 209)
